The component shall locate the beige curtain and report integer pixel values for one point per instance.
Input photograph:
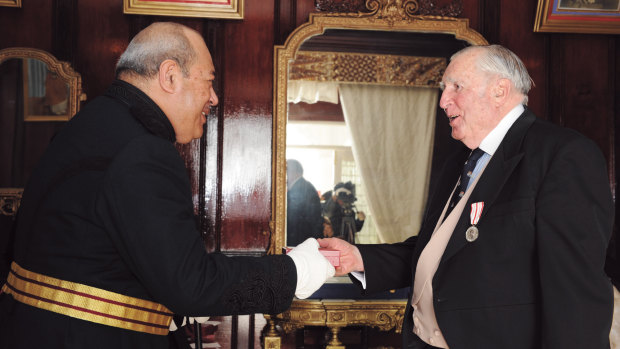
(392, 130)
(312, 91)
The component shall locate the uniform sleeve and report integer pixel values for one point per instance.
(146, 207)
(574, 216)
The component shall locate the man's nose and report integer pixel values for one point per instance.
(444, 101)
(213, 101)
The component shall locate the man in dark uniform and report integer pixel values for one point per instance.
(106, 248)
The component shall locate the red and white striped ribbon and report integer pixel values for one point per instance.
(476, 212)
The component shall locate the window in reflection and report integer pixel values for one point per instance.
(324, 151)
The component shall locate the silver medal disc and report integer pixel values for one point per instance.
(471, 234)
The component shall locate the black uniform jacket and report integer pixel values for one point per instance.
(110, 206)
(534, 277)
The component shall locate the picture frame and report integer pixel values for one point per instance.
(578, 16)
(226, 9)
(11, 3)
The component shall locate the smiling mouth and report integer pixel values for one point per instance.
(452, 117)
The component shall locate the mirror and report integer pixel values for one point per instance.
(356, 99)
(37, 93)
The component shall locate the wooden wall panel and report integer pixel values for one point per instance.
(102, 35)
(28, 26)
(247, 107)
(589, 109)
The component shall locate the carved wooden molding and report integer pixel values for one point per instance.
(371, 69)
(385, 315)
(10, 198)
(388, 8)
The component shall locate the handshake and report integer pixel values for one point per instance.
(313, 267)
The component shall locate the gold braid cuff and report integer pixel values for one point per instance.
(86, 302)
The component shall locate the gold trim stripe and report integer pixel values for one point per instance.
(86, 302)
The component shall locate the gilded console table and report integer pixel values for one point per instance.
(335, 314)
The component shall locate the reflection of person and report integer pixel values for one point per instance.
(106, 246)
(303, 206)
(340, 212)
(530, 275)
(56, 98)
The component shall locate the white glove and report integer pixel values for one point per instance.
(312, 268)
(186, 320)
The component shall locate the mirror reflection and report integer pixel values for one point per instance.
(360, 132)
(36, 92)
(47, 93)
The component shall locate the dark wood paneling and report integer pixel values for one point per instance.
(102, 35)
(28, 26)
(247, 105)
(64, 29)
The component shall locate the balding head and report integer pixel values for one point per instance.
(172, 65)
(153, 45)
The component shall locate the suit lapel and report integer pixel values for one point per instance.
(437, 197)
(499, 168)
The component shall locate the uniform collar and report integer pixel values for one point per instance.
(143, 108)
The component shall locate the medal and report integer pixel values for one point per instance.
(471, 234)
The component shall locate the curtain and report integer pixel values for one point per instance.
(392, 129)
(312, 91)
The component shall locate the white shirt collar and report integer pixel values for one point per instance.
(491, 142)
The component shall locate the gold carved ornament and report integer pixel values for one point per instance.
(361, 68)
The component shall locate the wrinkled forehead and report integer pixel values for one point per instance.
(462, 67)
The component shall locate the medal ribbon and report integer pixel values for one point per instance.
(476, 212)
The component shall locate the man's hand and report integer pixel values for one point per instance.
(350, 257)
(361, 215)
(313, 268)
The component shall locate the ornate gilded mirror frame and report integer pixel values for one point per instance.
(62, 69)
(10, 197)
(383, 15)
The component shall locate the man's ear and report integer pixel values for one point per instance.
(169, 76)
(502, 90)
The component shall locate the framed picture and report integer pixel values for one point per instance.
(11, 3)
(229, 9)
(578, 16)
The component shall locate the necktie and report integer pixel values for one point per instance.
(468, 169)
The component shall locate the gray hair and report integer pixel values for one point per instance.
(498, 60)
(153, 45)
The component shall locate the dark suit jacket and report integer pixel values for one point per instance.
(534, 277)
(303, 217)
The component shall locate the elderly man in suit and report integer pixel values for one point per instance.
(511, 254)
